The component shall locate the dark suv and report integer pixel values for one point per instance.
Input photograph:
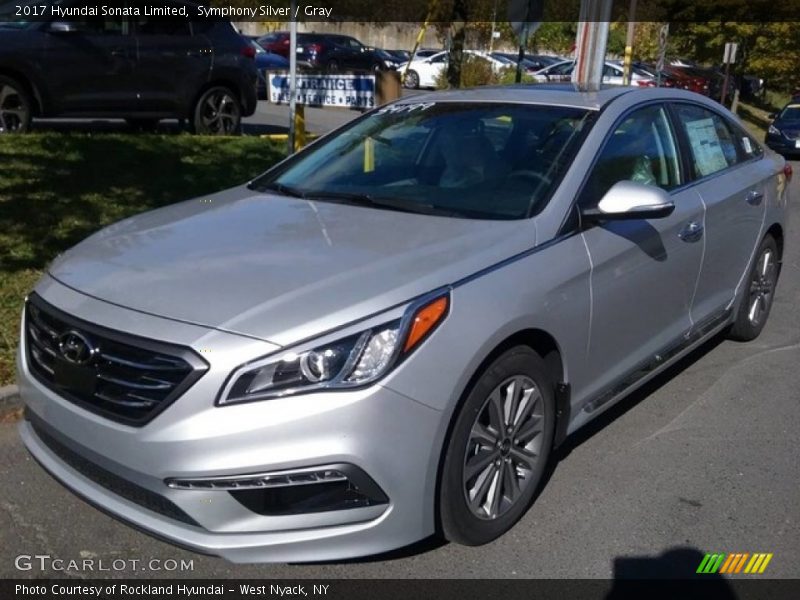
(138, 68)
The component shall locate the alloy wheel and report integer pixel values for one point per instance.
(220, 113)
(14, 110)
(504, 447)
(762, 286)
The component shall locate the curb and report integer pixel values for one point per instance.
(9, 398)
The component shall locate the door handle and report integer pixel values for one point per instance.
(692, 232)
(754, 197)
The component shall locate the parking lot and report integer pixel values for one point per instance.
(704, 459)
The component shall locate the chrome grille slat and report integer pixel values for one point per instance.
(130, 379)
(138, 365)
(134, 384)
(40, 362)
(34, 337)
(127, 403)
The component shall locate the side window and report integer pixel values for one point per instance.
(155, 25)
(712, 144)
(642, 149)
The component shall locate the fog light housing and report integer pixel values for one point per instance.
(298, 491)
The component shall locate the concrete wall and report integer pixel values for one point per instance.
(393, 36)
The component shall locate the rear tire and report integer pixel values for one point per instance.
(498, 449)
(217, 112)
(759, 293)
(16, 107)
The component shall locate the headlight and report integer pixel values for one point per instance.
(352, 361)
(774, 130)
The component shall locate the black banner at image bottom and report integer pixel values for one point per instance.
(707, 587)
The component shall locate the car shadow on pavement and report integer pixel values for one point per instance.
(630, 401)
(676, 572)
(674, 560)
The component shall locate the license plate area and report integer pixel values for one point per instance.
(74, 378)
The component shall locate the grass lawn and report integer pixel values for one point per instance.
(55, 189)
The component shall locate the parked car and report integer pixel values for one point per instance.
(531, 62)
(276, 42)
(143, 69)
(335, 53)
(391, 330)
(422, 73)
(389, 61)
(402, 55)
(783, 134)
(612, 74)
(266, 62)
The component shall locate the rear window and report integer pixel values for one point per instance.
(473, 160)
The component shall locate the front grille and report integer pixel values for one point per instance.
(123, 377)
(108, 480)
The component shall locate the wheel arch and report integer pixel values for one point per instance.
(216, 82)
(544, 344)
(30, 87)
(776, 231)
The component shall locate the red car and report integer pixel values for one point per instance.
(276, 42)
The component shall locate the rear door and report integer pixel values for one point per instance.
(89, 68)
(174, 61)
(730, 177)
(644, 272)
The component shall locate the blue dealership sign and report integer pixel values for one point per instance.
(345, 91)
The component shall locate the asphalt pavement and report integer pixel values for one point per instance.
(703, 460)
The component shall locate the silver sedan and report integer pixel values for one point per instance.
(386, 335)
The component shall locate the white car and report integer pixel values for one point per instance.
(422, 72)
(612, 73)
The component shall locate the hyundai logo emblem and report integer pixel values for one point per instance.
(76, 348)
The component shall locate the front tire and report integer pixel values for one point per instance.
(16, 107)
(411, 80)
(217, 112)
(759, 294)
(498, 449)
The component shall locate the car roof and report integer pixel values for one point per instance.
(556, 94)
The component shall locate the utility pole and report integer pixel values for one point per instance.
(626, 67)
(292, 78)
(590, 45)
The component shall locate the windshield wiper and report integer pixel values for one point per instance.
(286, 190)
(398, 204)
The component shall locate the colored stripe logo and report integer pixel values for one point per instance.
(741, 562)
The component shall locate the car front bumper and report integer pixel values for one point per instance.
(388, 436)
(780, 144)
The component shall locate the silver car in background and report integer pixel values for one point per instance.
(386, 335)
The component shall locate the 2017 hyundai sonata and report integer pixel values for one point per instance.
(387, 333)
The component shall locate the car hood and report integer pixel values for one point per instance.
(280, 268)
(787, 124)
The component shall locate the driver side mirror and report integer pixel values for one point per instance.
(629, 200)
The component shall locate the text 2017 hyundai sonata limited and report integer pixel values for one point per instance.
(387, 334)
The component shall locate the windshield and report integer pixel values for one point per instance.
(473, 160)
(790, 113)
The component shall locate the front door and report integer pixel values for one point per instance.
(89, 65)
(644, 272)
